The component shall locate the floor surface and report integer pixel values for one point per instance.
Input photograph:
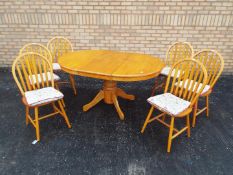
(100, 144)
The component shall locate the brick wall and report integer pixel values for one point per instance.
(146, 26)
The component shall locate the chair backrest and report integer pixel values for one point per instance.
(192, 82)
(36, 48)
(58, 46)
(213, 63)
(178, 51)
(31, 71)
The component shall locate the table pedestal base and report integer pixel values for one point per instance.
(109, 94)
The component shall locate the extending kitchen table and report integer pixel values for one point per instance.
(111, 66)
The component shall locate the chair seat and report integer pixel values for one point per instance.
(44, 95)
(32, 78)
(56, 66)
(165, 71)
(169, 103)
(206, 88)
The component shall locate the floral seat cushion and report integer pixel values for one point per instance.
(206, 88)
(169, 103)
(56, 66)
(165, 71)
(32, 78)
(44, 95)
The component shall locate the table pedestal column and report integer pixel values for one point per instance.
(109, 94)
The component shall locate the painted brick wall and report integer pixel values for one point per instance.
(146, 26)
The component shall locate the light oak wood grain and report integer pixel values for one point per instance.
(24, 67)
(111, 66)
(214, 64)
(58, 46)
(191, 70)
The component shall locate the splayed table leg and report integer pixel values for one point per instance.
(109, 94)
(97, 99)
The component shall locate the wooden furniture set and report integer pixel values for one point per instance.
(188, 76)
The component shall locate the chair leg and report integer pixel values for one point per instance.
(64, 114)
(195, 114)
(63, 103)
(37, 124)
(188, 125)
(207, 105)
(157, 85)
(164, 117)
(170, 135)
(72, 82)
(27, 113)
(154, 87)
(62, 100)
(147, 119)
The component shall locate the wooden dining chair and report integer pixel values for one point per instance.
(33, 75)
(214, 65)
(36, 48)
(176, 52)
(42, 50)
(57, 47)
(177, 102)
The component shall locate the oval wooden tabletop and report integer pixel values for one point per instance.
(111, 65)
